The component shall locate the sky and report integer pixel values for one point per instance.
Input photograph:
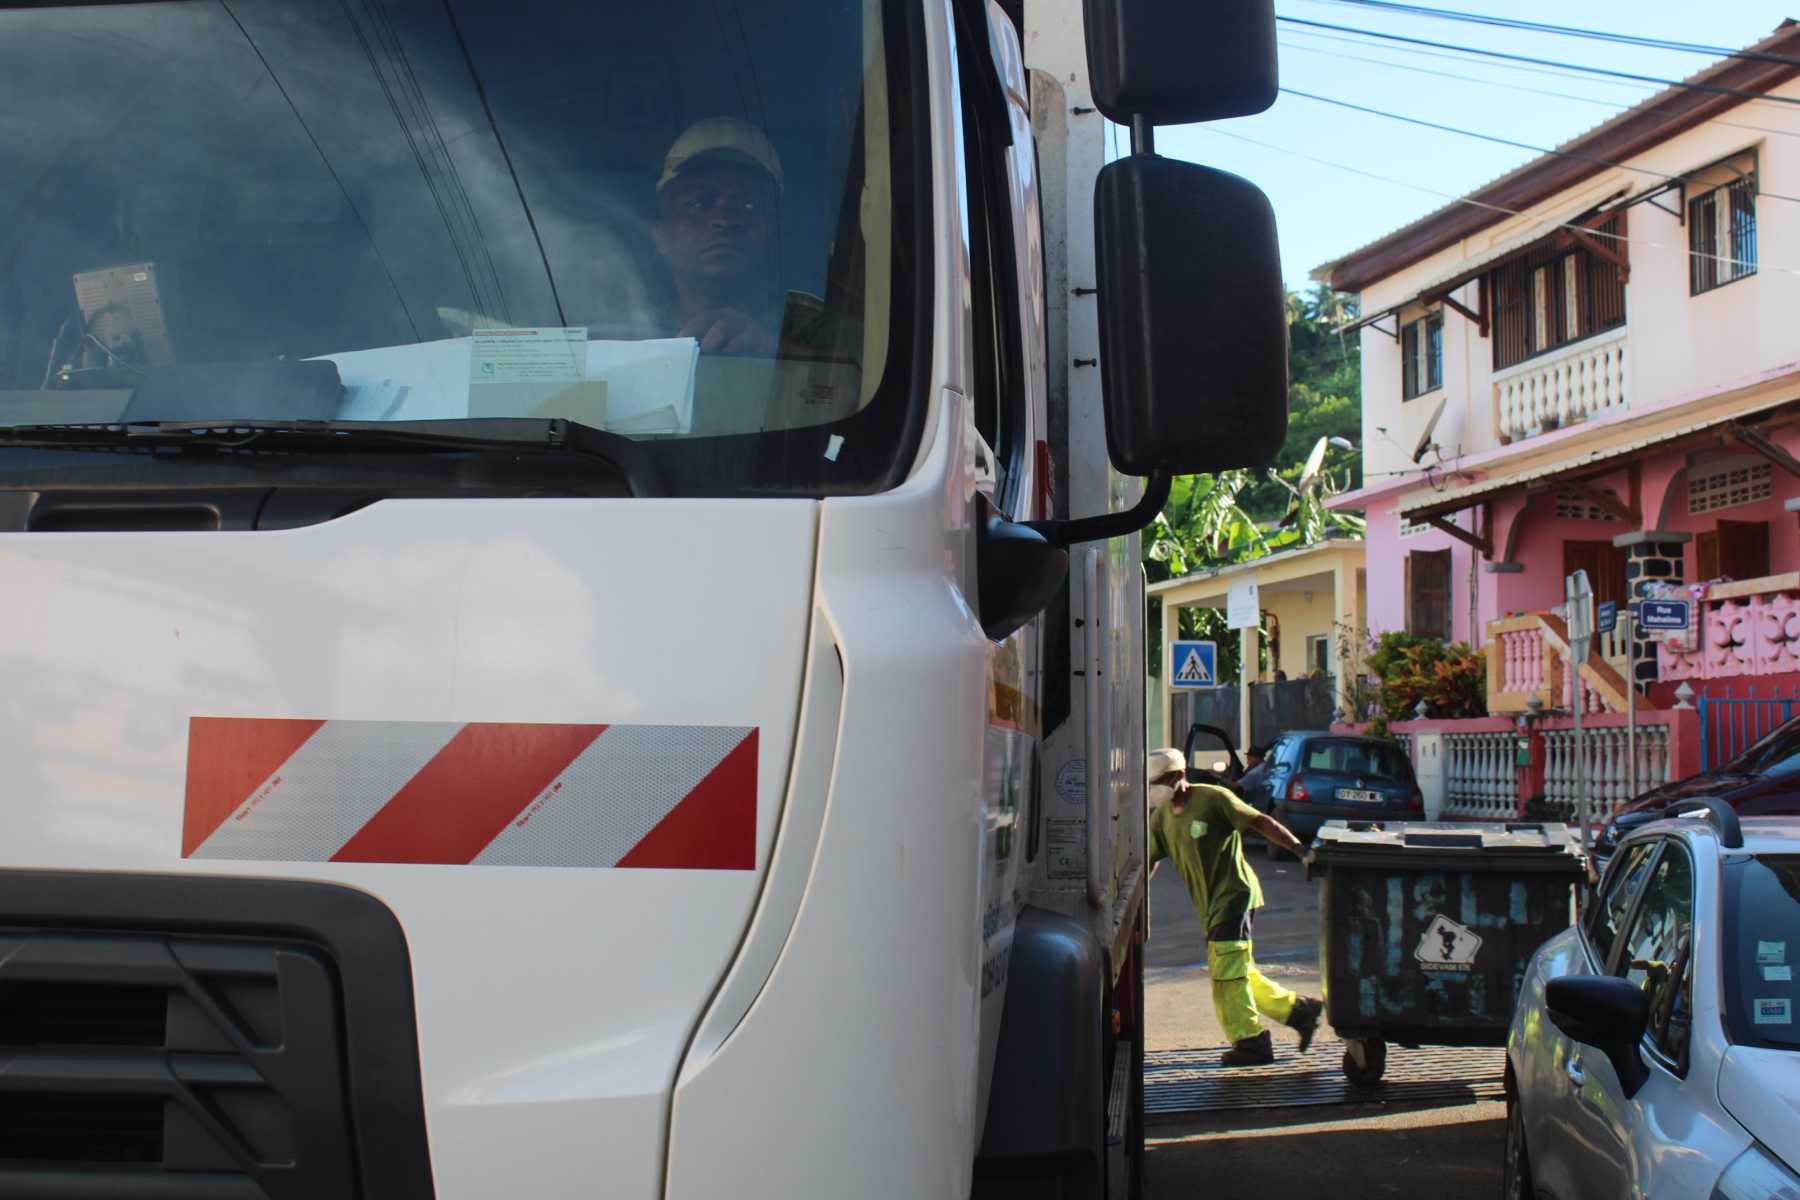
(1323, 211)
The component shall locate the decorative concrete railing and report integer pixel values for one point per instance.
(1603, 764)
(1480, 775)
(1528, 656)
(1562, 388)
(1750, 627)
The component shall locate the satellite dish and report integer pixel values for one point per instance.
(1314, 461)
(1425, 442)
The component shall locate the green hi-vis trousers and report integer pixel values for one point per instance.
(1240, 991)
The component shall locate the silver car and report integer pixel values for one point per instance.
(1654, 1053)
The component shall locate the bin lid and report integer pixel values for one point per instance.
(1496, 846)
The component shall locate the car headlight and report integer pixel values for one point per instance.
(1757, 1175)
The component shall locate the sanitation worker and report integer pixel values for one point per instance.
(1199, 827)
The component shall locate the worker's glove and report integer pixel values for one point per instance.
(1307, 858)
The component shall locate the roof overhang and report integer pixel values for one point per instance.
(1656, 120)
(1300, 561)
(1740, 418)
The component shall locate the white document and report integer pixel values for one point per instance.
(531, 355)
(649, 384)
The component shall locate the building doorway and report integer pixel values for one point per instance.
(1605, 567)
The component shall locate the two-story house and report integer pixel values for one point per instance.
(1594, 362)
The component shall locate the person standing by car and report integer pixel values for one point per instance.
(1200, 828)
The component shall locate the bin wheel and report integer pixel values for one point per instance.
(1374, 1061)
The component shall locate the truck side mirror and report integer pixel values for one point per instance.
(1193, 321)
(1176, 62)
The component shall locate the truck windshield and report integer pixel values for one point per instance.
(689, 222)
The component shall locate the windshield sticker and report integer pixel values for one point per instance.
(1776, 1011)
(1778, 974)
(544, 355)
(833, 445)
(1771, 952)
(1447, 946)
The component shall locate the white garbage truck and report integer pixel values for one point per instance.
(573, 613)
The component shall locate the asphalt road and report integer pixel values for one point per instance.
(1344, 1152)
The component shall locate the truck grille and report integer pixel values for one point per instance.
(193, 1061)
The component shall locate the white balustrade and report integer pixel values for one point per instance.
(1480, 779)
(1561, 388)
(1604, 767)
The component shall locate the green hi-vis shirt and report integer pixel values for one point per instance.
(1205, 844)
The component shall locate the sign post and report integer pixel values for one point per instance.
(1578, 609)
(1631, 778)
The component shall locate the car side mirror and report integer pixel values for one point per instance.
(1176, 62)
(1193, 318)
(1607, 1013)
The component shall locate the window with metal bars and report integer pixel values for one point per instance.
(1722, 234)
(1422, 356)
(1558, 292)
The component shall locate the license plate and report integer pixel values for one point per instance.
(1358, 796)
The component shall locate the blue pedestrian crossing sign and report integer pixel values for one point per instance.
(1196, 665)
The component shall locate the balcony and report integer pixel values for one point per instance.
(1749, 627)
(1563, 387)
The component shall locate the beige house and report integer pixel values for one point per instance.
(1313, 599)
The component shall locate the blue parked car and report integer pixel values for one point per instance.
(1311, 778)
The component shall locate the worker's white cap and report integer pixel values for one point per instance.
(724, 138)
(1162, 762)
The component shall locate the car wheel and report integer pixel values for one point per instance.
(1515, 1175)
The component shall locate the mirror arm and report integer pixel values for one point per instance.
(1143, 135)
(1111, 525)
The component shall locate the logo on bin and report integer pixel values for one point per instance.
(1447, 946)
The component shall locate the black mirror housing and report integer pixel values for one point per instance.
(1193, 317)
(1607, 1013)
(1181, 61)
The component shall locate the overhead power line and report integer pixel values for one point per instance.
(1600, 35)
(1642, 89)
(1500, 141)
(1544, 225)
(1511, 87)
(1711, 88)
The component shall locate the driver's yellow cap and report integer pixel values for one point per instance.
(721, 138)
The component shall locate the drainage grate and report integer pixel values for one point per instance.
(1192, 1081)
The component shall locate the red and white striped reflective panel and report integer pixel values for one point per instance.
(668, 796)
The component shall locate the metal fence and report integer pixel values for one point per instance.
(1275, 708)
(1730, 725)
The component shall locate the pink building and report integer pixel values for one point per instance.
(1594, 362)
(1609, 379)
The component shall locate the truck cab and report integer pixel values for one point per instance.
(576, 620)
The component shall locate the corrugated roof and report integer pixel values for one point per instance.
(1474, 198)
(1456, 499)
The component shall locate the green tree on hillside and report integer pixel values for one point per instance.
(1235, 517)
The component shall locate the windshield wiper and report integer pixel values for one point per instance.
(625, 456)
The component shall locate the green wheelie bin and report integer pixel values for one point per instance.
(1425, 929)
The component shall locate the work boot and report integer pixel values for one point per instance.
(1250, 1052)
(1304, 1020)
